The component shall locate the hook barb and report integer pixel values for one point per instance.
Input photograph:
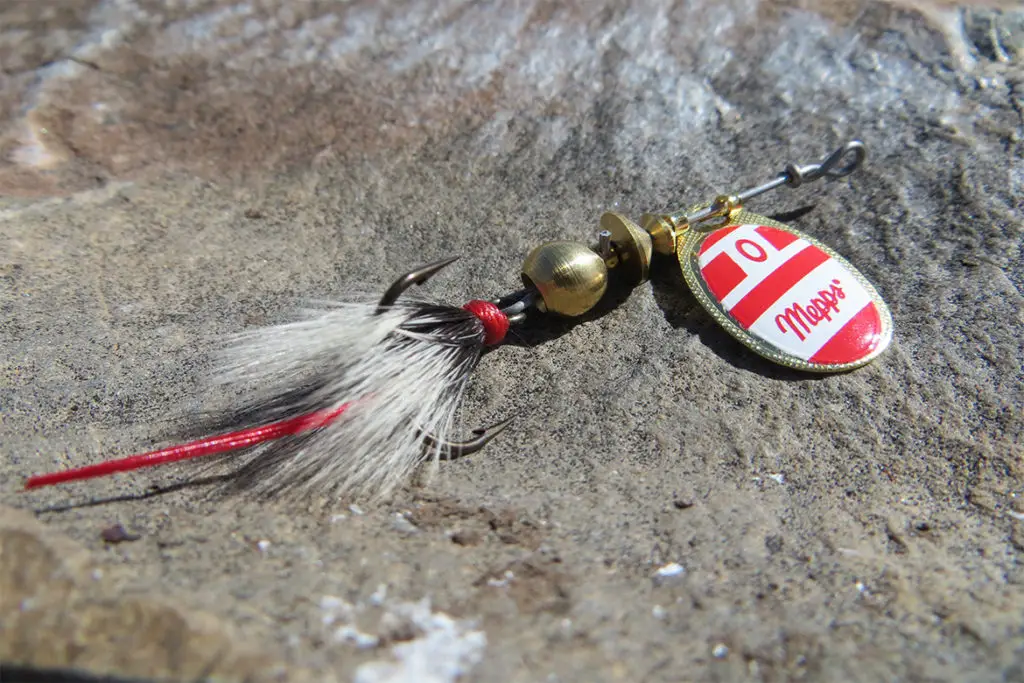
(452, 450)
(413, 277)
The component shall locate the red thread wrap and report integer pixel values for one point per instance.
(495, 322)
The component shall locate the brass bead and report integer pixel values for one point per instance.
(570, 277)
(632, 246)
(663, 232)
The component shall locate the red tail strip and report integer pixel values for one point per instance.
(195, 449)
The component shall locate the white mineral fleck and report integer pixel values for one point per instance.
(401, 524)
(377, 599)
(669, 570)
(443, 652)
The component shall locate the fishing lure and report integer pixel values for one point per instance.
(351, 398)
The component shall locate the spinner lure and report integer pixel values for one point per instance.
(351, 398)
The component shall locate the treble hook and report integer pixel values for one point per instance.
(413, 277)
(452, 449)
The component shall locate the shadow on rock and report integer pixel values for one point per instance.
(153, 492)
(540, 328)
(15, 673)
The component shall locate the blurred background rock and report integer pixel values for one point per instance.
(171, 171)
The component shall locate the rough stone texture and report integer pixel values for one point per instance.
(60, 612)
(175, 171)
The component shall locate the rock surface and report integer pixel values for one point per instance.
(175, 171)
(61, 612)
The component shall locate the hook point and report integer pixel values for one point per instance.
(452, 450)
(413, 277)
(493, 430)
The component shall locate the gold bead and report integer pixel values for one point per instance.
(663, 232)
(632, 247)
(570, 277)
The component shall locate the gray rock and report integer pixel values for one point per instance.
(172, 172)
(58, 612)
